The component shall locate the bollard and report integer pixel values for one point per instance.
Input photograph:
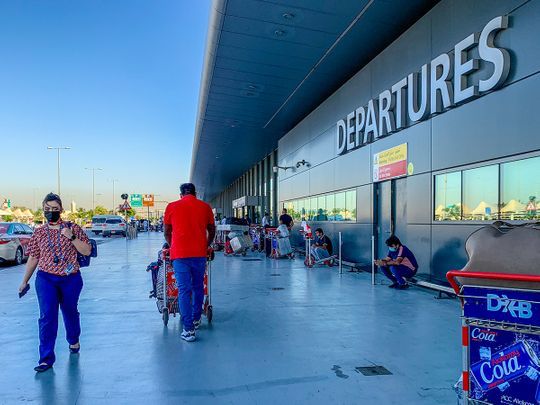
(372, 259)
(340, 258)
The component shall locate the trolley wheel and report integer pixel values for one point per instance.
(209, 313)
(165, 316)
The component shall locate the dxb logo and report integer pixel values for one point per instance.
(516, 308)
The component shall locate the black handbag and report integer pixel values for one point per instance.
(84, 261)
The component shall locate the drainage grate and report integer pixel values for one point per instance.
(275, 274)
(277, 288)
(373, 370)
(251, 260)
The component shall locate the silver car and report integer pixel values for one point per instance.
(14, 239)
(114, 226)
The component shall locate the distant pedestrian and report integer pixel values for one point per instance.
(265, 220)
(53, 251)
(286, 219)
(224, 220)
(399, 265)
(189, 230)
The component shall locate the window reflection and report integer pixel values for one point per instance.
(326, 207)
(320, 215)
(350, 205)
(481, 193)
(339, 210)
(312, 208)
(520, 189)
(448, 197)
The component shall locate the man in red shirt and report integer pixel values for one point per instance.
(189, 230)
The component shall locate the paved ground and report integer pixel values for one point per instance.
(299, 344)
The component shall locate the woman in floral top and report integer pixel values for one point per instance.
(53, 251)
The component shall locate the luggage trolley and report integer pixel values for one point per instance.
(167, 290)
(500, 339)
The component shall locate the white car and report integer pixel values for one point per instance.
(114, 226)
(14, 239)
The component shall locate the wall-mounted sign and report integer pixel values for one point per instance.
(440, 85)
(148, 200)
(136, 200)
(390, 163)
(246, 201)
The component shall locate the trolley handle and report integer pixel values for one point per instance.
(452, 274)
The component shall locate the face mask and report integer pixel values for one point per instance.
(52, 216)
(393, 249)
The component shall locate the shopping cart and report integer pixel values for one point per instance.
(500, 338)
(167, 290)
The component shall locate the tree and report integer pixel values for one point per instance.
(99, 210)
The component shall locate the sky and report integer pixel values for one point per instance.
(115, 80)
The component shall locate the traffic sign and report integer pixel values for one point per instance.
(148, 200)
(136, 200)
(125, 206)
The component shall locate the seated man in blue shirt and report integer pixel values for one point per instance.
(399, 265)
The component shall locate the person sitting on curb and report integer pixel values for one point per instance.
(399, 265)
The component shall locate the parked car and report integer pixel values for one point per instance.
(14, 239)
(114, 226)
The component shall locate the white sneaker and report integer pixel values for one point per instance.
(188, 335)
(197, 324)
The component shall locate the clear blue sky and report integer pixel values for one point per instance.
(117, 80)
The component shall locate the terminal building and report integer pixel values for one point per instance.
(373, 117)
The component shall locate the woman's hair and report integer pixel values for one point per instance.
(393, 240)
(52, 197)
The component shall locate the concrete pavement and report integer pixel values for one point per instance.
(281, 334)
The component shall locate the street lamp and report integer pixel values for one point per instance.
(93, 184)
(113, 181)
(58, 149)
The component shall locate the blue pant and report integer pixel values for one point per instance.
(189, 275)
(57, 291)
(398, 274)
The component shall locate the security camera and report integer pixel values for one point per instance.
(275, 169)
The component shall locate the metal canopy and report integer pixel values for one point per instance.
(270, 63)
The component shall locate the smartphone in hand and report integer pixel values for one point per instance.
(24, 291)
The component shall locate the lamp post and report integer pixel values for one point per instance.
(113, 181)
(93, 169)
(58, 149)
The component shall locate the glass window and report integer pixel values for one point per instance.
(296, 210)
(340, 207)
(350, 205)
(312, 208)
(448, 197)
(481, 193)
(520, 189)
(320, 214)
(304, 209)
(330, 206)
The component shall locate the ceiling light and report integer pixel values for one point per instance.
(288, 16)
(279, 33)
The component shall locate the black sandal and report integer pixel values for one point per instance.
(43, 367)
(74, 350)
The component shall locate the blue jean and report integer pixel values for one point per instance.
(53, 292)
(189, 275)
(398, 274)
(319, 253)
